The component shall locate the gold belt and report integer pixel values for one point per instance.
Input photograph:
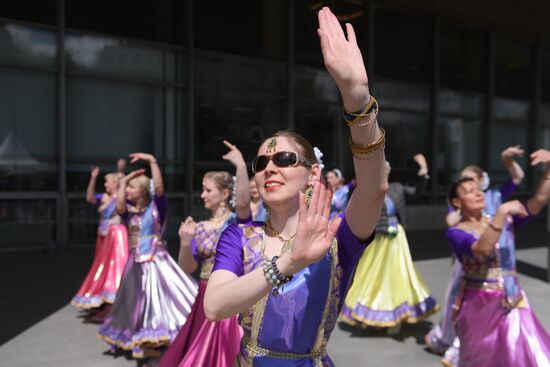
(259, 351)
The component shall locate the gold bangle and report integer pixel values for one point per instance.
(381, 152)
(365, 122)
(358, 116)
(495, 228)
(365, 149)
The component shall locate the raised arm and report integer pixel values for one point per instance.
(542, 194)
(90, 190)
(514, 169)
(345, 64)
(486, 243)
(242, 189)
(156, 175)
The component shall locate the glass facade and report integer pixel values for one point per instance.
(85, 83)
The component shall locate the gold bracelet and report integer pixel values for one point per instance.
(365, 149)
(367, 122)
(495, 228)
(358, 116)
(381, 152)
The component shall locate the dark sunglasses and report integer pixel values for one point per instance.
(280, 159)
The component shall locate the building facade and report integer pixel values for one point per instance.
(83, 83)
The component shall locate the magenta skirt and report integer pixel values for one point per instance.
(204, 343)
(492, 336)
(101, 284)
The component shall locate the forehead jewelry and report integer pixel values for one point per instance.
(272, 144)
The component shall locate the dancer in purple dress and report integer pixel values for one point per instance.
(442, 337)
(155, 296)
(494, 322)
(201, 342)
(287, 277)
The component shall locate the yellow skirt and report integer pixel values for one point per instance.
(387, 289)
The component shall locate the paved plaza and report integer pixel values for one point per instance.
(64, 339)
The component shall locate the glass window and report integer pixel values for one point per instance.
(403, 45)
(546, 75)
(406, 135)
(243, 120)
(119, 58)
(503, 136)
(514, 69)
(316, 83)
(43, 11)
(27, 223)
(317, 122)
(160, 21)
(246, 27)
(306, 41)
(398, 95)
(107, 120)
(459, 144)
(461, 104)
(27, 47)
(511, 109)
(230, 72)
(28, 134)
(463, 59)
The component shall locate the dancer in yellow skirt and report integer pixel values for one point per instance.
(387, 290)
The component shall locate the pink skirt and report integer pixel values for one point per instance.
(101, 283)
(490, 335)
(204, 343)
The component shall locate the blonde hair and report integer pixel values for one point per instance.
(143, 182)
(223, 180)
(112, 176)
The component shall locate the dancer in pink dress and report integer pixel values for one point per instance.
(201, 342)
(101, 284)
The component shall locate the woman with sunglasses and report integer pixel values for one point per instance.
(387, 289)
(287, 277)
(155, 296)
(201, 342)
(494, 322)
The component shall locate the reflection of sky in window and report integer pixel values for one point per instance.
(86, 50)
(36, 42)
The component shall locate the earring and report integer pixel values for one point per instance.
(309, 194)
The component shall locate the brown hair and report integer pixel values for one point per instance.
(223, 180)
(302, 145)
(475, 169)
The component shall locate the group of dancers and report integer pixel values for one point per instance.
(287, 254)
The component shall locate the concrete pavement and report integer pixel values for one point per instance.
(63, 339)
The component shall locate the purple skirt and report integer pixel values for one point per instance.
(152, 303)
(490, 335)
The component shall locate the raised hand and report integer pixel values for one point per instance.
(142, 157)
(343, 60)
(187, 231)
(136, 173)
(514, 207)
(94, 172)
(234, 156)
(315, 232)
(420, 159)
(512, 151)
(540, 156)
